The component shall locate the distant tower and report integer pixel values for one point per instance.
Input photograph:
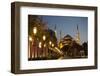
(60, 34)
(55, 29)
(78, 36)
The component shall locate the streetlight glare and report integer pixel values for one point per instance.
(44, 37)
(30, 38)
(40, 44)
(52, 45)
(44, 45)
(34, 30)
(50, 42)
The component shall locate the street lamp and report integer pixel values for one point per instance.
(30, 44)
(50, 42)
(40, 44)
(44, 45)
(35, 30)
(30, 38)
(44, 37)
(52, 45)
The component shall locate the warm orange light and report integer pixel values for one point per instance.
(44, 37)
(50, 42)
(34, 30)
(40, 45)
(30, 38)
(52, 45)
(44, 45)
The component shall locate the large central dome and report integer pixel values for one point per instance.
(67, 37)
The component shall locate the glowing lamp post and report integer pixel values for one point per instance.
(30, 47)
(40, 45)
(44, 37)
(44, 45)
(30, 38)
(34, 30)
(50, 43)
(35, 42)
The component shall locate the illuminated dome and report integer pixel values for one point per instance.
(67, 37)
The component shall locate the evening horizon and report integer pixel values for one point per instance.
(68, 25)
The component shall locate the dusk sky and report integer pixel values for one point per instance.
(68, 25)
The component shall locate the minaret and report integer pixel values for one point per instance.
(60, 40)
(78, 36)
(55, 29)
(60, 34)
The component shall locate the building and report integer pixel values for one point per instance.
(71, 47)
(42, 40)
